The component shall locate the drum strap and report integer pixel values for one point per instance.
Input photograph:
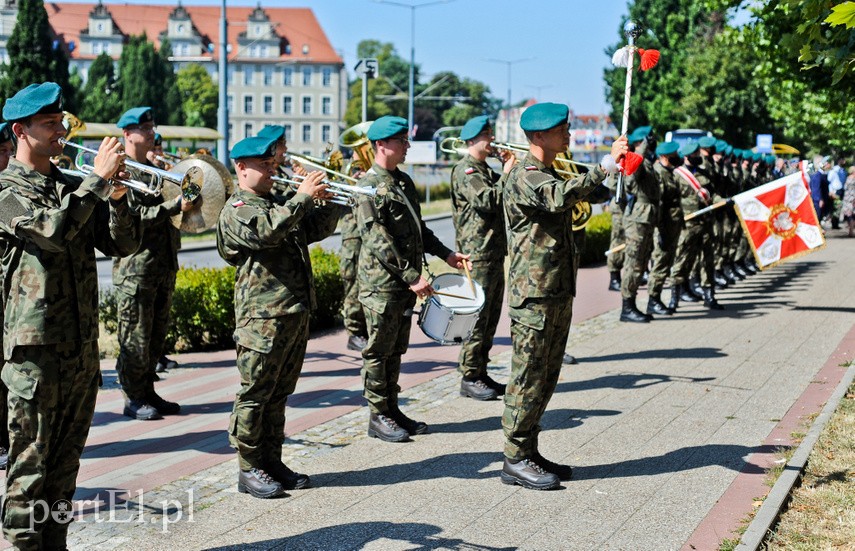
(400, 193)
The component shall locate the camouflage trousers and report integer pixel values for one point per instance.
(615, 260)
(4, 418)
(719, 238)
(539, 330)
(665, 240)
(475, 353)
(733, 237)
(143, 308)
(351, 309)
(695, 245)
(639, 244)
(389, 318)
(52, 391)
(270, 353)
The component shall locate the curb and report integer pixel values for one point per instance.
(778, 497)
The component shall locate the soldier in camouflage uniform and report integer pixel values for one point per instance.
(145, 280)
(394, 240)
(351, 308)
(614, 261)
(265, 236)
(538, 208)
(668, 229)
(479, 222)
(639, 221)
(51, 226)
(7, 150)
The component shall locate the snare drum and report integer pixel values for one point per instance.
(449, 320)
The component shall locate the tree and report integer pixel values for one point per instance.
(100, 94)
(172, 105)
(394, 79)
(147, 78)
(199, 96)
(35, 55)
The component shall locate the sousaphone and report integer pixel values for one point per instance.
(216, 188)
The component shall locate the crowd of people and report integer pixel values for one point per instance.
(52, 223)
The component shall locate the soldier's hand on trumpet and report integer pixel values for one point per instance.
(314, 186)
(110, 163)
(508, 160)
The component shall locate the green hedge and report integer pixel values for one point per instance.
(597, 236)
(203, 318)
(441, 190)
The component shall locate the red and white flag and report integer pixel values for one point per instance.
(779, 219)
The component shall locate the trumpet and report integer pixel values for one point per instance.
(85, 170)
(319, 164)
(343, 194)
(190, 182)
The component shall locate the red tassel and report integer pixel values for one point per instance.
(649, 58)
(630, 163)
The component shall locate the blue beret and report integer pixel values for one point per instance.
(720, 145)
(274, 132)
(5, 132)
(254, 147)
(728, 149)
(158, 139)
(706, 142)
(639, 134)
(35, 99)
(543, 116)
(667, 148)
(688, 148)
(737, 153)
(386, 127)
(137, 115)
(474, 126)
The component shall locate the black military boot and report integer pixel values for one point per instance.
(385, 428)
(164, 407)
(686, 295)
(740, 271)
(282, 474)
(411, 426)
(563, 472)
(710, 301)
(749, 266)
(141, 410)
(675, 298)
(719, 280)
(730, 274)
(477, 389)
(629, 312)
(528, 474)
(695, 288)
(495, 385)
(655, 306)
(614, 281)
(259, 483)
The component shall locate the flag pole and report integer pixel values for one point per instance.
(631, 29)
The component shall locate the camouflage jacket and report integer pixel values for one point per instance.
(52, 226)
(643, 186)
(267, 238)
(393, 242)
(158, 253)
(538, 206)
(476, 201)
(351, 240)
(669, 199)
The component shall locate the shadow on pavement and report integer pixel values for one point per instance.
(553, 419)
(356, 535)
(663, 353)
(685, 459)
(826, 309)
(209, 441)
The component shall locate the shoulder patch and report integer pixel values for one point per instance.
(238, 203)
(469, 170)
(531, 167)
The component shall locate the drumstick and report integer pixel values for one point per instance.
(452, 296)
(469, 277)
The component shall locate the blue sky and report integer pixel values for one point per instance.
(562, 40)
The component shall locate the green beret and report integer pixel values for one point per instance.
(706, 142)
(5, 132)
(667, 148)
(639, 134)
(770, 159)
(158, 139)
(543, 116)
(387, 126)
(273, 132)
(720, 146)
(35, 99)
(254, 147)
(737, 153)
(688, 148)
(474, 126)
(728, 149)
(137, 115)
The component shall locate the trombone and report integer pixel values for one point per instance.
(190, 182)
(85, 170)
(343, 194)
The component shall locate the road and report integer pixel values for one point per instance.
(206, 256)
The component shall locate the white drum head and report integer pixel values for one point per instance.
(457, 284)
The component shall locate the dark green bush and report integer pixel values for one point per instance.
(597, 236)
(203, 317)
(441, 190)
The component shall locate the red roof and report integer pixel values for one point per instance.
(298, 25)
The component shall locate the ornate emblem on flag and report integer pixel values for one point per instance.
(779, 219)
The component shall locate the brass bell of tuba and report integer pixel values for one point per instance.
(356, 138)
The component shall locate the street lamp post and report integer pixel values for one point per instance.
(223, 111)
(509, 63)
(412, 8)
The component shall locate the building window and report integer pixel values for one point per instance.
(287, 76)
(327, 77)
(247, 75)
(253, 51)
(287, 102)
(230, 103)
(307, 76)
(262, 50)
(96, 48)
(268, 76)
(287, 134)
(247, 130)
(326, 105)
(326, 130)
(100, 27)
(307, 105)
(231, 75)
(181, 28)
(268, 104)
(247, 105)
(307, 133)
(231, 131)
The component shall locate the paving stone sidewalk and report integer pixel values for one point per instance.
(658, 420)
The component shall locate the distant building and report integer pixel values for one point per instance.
(282, 68)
